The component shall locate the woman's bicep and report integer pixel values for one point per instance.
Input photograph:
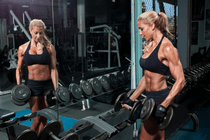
(53, 57)
(20, 58)
(174, 63)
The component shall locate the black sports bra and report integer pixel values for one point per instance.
(153, 64)
(43, 58)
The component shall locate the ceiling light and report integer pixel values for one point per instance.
(25, 6)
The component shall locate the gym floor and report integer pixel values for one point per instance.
(183, 129)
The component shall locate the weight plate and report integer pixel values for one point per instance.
(135, 112)
(96, 85)
(120, 98)
(113, 81)
(53, 126)
(19, 103)
(86, 88)
(71, 136)
(62, 95)
(76, 91)
(130, 92)
(21, 92)
(27, 134)
(105, 83)
(49, 98)
(167, 119)
(120, 78)
(127, 75)
(147, 110)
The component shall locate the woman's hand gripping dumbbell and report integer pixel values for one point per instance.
(160, 113)
(135, 107)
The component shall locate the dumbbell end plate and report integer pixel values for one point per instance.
(167, 119)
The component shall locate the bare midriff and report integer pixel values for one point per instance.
(39, 72)
(155, 81)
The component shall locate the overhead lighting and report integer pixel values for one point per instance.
(25, 6)
(113, 0)
(68, 3)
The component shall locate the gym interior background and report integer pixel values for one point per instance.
(93, 38)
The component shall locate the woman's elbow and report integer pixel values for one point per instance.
(182, 83)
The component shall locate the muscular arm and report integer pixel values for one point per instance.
(54, 72)
(20, 64)
(141, 87)
(176, 70)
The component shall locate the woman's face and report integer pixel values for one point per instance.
(37, 34)
(145, 30)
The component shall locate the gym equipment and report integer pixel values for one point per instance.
(76, 91)
(49, 114)
(127, 75)
(86, 88)
(111, 34)
(61, 94)
(121, 79)
(105, 83)
(111, 125)
(51, 131)
(5, 116)
(27, 134)
(96, 85)
(113, 81)
(134, 110)
(20, 94)
(148, 110)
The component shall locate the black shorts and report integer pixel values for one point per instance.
(39, 88)
(158, 96)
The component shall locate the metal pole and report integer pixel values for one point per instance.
(54, 44)
(153, 5)
(175, 42)
(27, 15)
(20, 24)
(133, 64)
(53, 20)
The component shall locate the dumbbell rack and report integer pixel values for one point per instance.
(62, 106)
(47, 113)
(103, 127)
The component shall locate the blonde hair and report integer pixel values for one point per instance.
(39, 23)
(161, 22)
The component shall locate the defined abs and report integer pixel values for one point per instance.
(39, 72)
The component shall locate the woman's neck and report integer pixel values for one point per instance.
(157, 36)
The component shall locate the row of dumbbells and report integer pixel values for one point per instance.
(193, 75)
(75, 92)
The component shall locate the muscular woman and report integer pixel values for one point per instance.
(159, 59)
(39, 56)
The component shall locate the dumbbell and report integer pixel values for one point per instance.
(105, 83)
(51, 131)
(135, 109)
(86, 88)
(96, 85)
(113, 80)
(27, 134)
(76, 91)
(127, 75)
(61, 94)
(148, 109)
(121, 79)
(20, 94)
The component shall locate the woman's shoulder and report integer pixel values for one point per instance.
(166, 44)
(24, 46)
(167, 47)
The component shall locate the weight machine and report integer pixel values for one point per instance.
(111, 33)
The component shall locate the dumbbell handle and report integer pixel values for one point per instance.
(53, 136)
